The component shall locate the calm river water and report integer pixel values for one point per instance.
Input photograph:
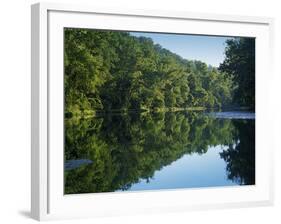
(159, 151)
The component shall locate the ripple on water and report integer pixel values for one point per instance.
(233, 115)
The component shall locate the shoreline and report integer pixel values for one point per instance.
(96, 113)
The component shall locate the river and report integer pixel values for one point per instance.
(154, 151)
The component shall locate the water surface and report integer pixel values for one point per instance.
(146, 151)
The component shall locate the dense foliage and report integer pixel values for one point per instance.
(108, 73)
(109, 70)
(126, 148)
(239, 63)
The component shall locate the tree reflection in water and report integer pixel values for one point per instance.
(126, 148)
(240, 156)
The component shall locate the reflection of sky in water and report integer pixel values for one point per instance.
(205, 170)
(126, 149)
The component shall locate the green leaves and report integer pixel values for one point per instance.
(110, 70)
(239, 64)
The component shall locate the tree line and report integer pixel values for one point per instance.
(116, 71)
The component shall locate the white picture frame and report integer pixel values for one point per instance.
(47, 199)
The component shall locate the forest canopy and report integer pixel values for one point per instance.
(116, 71)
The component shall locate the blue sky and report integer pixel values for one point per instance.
(209, 49)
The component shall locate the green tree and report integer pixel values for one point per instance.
(114, 71)
(239, 64)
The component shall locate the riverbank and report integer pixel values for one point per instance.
(95, 113)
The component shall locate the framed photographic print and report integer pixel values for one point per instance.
(148, 111)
